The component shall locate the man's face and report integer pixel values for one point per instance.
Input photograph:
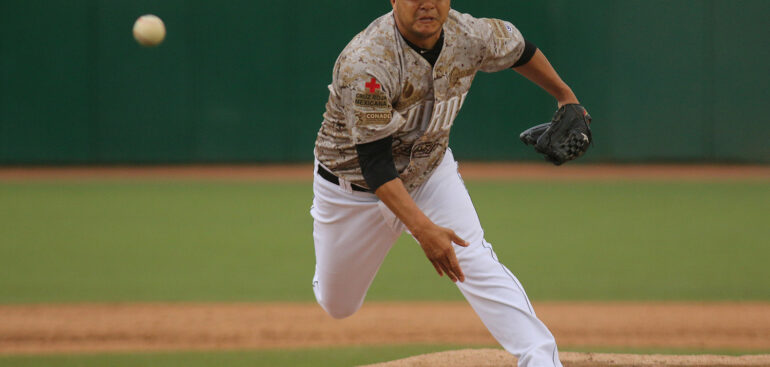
(421, 18)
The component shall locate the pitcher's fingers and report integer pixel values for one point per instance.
(459, 241)
(456, 270)
(452, 277)
(449, 271)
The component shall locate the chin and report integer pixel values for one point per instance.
(427, 32)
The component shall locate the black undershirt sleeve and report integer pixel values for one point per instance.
(529, 51)
(376, 161)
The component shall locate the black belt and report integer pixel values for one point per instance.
(328, 176)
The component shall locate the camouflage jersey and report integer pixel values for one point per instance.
(382, 87)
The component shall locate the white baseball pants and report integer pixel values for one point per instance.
(353, 231)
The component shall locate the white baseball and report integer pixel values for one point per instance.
(149, 30)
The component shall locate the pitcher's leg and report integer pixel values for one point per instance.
(503, 306)
(491, 289)
(351, 241)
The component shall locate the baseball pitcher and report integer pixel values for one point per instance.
(383, 164)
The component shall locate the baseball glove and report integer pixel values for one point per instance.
(563, 139)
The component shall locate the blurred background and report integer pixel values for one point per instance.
(245, 81)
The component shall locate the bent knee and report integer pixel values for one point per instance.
(339, 311)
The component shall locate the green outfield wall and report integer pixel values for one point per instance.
(245, 80)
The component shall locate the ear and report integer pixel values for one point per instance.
(393, 3)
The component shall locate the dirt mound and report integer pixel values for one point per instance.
(496, 357)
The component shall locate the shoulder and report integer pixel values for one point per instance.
(467, 25)
(374, 47)
(478, 28)
(373, 53)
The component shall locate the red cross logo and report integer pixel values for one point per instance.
(372, 85)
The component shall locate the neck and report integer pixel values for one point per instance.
(421, 42)
(424, 43)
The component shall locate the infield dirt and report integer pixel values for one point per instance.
(40, 329)
(495, 358)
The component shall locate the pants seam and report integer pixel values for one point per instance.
(491, 253)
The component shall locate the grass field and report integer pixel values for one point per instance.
(266, 358)
(192, 241)
(147, 240)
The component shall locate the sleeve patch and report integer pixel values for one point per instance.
(371, 100)
(502, 29)
(373, 118)
(371, 108)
